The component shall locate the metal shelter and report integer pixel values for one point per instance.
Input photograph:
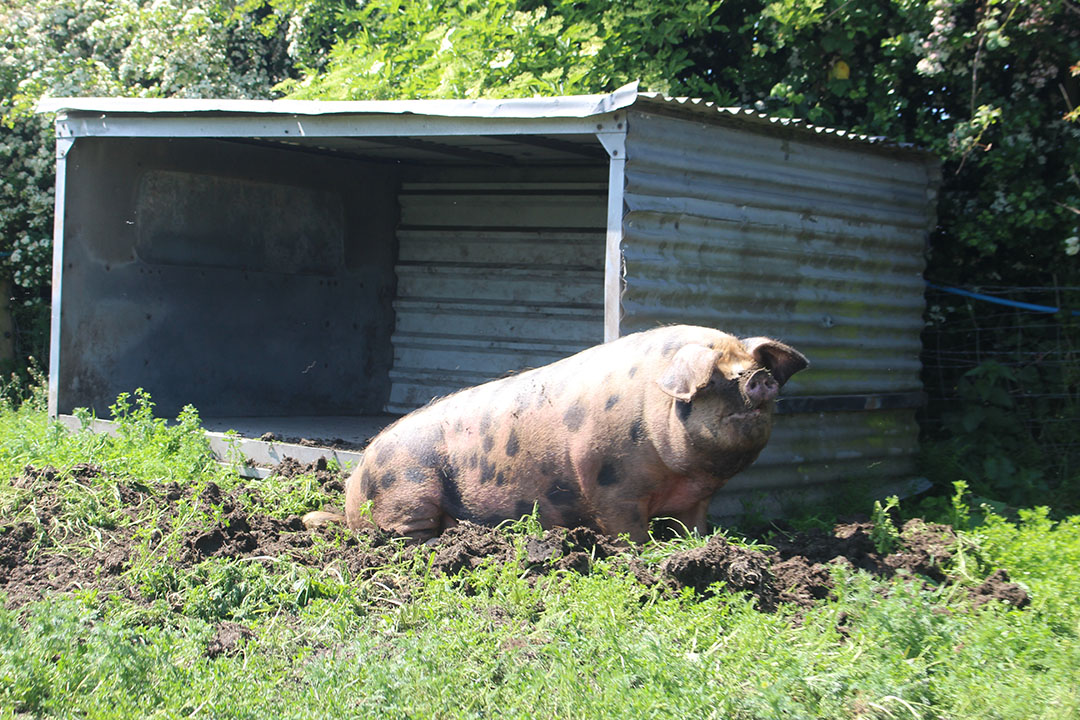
(313, 269)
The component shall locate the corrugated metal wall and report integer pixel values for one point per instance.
(493, 277)
(817, 245)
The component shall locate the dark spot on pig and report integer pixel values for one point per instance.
(368, 487)
(426, 446)
(562, 493)
(384, 454)
(451, 494)
(512, 445)
(633, 372)
(413, 474)
(575, 416)
(522, 508)
(473, 460)
(487, 472)
(682, 409)
(429, 457)
(611, 402)
(670, 347)
(547, 467)
(608, 475)
(489, 442)
(485, 423)
(500, 479)
(637, 431)
(458, 426)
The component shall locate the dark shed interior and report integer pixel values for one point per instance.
(267, 282)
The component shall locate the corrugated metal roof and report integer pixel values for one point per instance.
(739, 116)
(707, 108)
(570, 106)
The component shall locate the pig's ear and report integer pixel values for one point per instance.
(781, 360)
(689, 371)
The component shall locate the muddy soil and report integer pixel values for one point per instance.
(796, 571)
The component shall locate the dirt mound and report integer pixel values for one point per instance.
(718, 561)
(466, 546)
(331, 482)
(924, 548)
(797, 571)
(43, 556)
(570, 549)
(239, 534)
(800, 562)
(998, 587)
(800, 582)
(227, 639)
(28, 569)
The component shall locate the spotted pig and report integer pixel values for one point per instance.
(649, 425)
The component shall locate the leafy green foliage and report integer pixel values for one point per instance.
(183, 443)
(1043, 554)
(885, 536)
(465, 48)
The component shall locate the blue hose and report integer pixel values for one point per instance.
(999, 301)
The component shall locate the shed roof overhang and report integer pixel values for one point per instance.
(544, 129)
(555, 131)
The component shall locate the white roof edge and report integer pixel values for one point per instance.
(570, 106)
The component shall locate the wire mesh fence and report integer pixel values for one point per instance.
(1001, 369)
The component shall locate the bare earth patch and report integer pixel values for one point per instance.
(796, 572)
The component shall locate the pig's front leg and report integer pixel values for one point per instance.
(695, 518)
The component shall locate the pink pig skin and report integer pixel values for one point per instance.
(649, 425)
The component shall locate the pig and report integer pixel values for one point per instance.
(646, 426)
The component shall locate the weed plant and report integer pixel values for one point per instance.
(400, 640)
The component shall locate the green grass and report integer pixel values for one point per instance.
(401, 641)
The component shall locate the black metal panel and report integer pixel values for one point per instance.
(267, 293)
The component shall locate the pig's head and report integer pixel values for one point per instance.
(722, 400)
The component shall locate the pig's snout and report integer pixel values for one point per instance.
(760, 388)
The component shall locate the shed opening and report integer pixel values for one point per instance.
(316, 289)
